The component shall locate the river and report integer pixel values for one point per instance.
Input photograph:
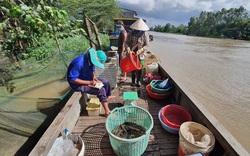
(215, 71)
(25, 116)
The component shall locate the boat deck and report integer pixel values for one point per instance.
(96, 139)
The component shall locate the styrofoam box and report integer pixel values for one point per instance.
(93, 112)
(153, 67)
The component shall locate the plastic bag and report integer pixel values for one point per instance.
(62, 147)
(164, 84)
(151, 76)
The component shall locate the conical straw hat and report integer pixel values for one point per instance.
(139, 25)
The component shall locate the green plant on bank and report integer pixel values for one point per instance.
(34, 32)
(24, 24)
(105, 42)
(71, 46)
(76, 43)
(99, 11)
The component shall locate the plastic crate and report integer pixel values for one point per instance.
(159, 90)
(138, 115)
(109, 72)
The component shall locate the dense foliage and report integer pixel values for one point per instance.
(181, 29)
(232, 23)
(33, 30)
(25, 23)
(99, 11)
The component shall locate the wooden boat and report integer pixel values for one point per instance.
(96, 139)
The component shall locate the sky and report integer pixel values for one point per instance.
(177, 12)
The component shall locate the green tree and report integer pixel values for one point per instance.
(99, 11)
(181, 29)
(246, 30)
(167, 27)
(158, 28)
(24, 25)
(191, 26)
(230, 23)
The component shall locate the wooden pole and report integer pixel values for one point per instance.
(89, 31)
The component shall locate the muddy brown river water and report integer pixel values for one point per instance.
(22, 116)
(216, 72)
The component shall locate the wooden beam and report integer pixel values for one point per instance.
(89, 25)
(66, 118)
(98, 37)
(89, 31)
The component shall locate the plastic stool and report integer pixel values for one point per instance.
(129, 98)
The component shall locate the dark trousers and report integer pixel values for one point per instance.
(102, 93)
(136, 76)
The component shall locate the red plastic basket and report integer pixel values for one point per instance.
(130, 63)
(174, 115)
(156, 96)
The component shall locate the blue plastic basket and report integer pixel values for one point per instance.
(166, 127)
(138, 115)
(158, 90)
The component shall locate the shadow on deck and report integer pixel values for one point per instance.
(93, 131)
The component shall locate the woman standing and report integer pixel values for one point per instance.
(138, 40)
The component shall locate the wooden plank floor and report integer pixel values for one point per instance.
(93, 132)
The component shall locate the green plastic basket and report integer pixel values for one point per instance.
(158, 90)
(138, 115)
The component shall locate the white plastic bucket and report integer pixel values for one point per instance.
(58, 148)
(194, 138)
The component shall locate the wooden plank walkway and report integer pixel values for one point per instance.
(93, 131)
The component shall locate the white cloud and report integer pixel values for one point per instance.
(178, 12)
(147, 5)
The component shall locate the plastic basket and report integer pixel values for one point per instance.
(158, 90)
(174, 115)
(166, 127)
(130, 63)
(157, 96)
(129, 147)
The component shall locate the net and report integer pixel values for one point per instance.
(33, 81)
(28, 90)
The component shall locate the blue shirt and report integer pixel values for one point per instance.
(81, 68)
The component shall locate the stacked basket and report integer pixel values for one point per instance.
(155, 86)
(172, 116)
(156, 92)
